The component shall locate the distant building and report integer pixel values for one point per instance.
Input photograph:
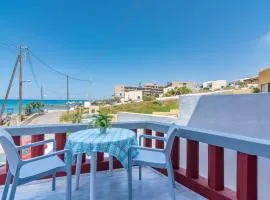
(93, 109)
(215, 85)
(264, 80)
(149, 89)
(135, 95)
(251, 82)
(178, 84)
(120, 90)
(152, 89)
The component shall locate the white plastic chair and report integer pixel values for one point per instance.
(25, 171)
(158, 158)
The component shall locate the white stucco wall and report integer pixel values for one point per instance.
(247, 115)
(135, 95)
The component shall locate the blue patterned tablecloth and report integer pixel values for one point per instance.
(116, 142)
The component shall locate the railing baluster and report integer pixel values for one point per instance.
(192, 170)
(83, 158)
(247, 183)
(100, 156)
(159, 143)
(39, 150)
(147, 142)
(216, 167)
(175, 153)
(60, 139)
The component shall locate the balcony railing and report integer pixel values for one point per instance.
(212, 187)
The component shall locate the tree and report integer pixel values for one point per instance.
(241, 83)
(28, 109)
(183, 90)
(256, 90)
(37, 106)
(33, 107)
(178, 91)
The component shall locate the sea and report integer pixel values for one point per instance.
(12, 104)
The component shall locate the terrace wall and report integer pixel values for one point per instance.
(247, 115)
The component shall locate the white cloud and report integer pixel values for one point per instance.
(266, 38)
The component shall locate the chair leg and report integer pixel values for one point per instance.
(173, 179)
(170, 176)
(14, 187)
(53, 181)
(140, 172)
(7, 184)
(69, 183)
(78, 170)
(130, 182)
(111, 165)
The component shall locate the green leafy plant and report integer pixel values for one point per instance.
(103, 120)
(77, 116)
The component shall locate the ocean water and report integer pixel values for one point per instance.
(12, 104)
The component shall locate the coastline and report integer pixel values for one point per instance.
(52, 104)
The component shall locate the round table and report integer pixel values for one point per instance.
(115, 142)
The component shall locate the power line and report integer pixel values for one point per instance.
(33, 72)
(8, 47)
(46, 65)
(79, 79)
(56, 71)
(39, 85)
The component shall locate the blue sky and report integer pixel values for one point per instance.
(127, 42)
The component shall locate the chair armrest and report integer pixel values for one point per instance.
(144, 148)
(151, 137)
(65, 151)
(39, 143)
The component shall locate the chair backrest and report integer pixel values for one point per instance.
(10, 150)
(171, 133)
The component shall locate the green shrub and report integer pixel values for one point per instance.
(147, 107)
(256, 90)
(149, 98)
(72, 116)
(178, 91)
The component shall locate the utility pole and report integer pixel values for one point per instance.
(41, 93)
(9, 87)
(67, 93)
(20, 84)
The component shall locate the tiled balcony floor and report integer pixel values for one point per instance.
(152, 186)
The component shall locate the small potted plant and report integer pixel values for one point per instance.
(103, 121)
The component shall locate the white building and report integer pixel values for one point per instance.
(135, 95)
(120, 90)
(215, 85)
(93, 109)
